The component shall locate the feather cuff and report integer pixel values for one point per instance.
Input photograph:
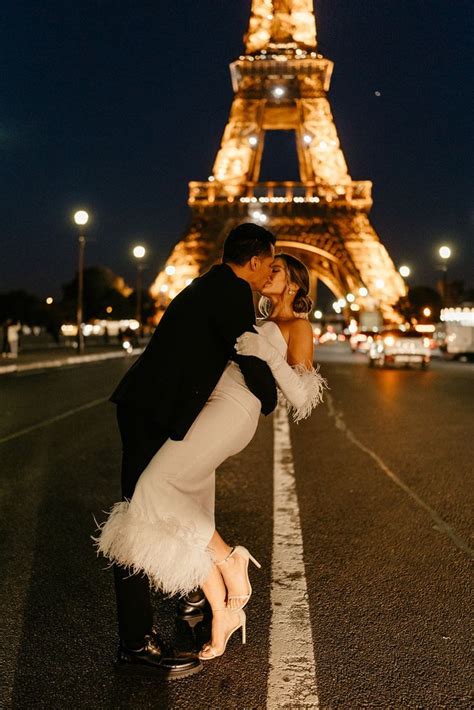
(314, 385)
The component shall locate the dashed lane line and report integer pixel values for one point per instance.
(47, 422)
(292, 676)
(440, 524)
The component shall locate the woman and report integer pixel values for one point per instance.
(167, 529)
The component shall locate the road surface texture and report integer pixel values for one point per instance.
(360, 516)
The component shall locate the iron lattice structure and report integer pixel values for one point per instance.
(281, 83)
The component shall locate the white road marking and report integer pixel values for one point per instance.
(292, 677)
(57, 418)
(440, 524)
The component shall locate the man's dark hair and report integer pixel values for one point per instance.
(245, 241)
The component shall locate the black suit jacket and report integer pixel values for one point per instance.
(187, 354)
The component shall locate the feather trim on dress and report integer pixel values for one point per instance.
(314, 384)
(167, 552)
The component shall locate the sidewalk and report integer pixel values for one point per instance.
(61, 357)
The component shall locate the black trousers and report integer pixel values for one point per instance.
(141, 439)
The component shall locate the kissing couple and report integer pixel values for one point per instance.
(192, 399)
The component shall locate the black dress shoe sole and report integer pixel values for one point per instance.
(192, 620)
(141, 669)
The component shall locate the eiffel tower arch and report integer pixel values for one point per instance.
(281, 83)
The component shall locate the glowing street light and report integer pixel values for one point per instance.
(318, 314)
(404, 271)
(81, 218)
(139, 252)
(49, 300)
(445, 252)
(426, 311)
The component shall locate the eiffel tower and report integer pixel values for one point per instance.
(281, 83)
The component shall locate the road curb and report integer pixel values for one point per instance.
(63, 362)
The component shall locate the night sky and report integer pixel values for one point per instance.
(114, 105)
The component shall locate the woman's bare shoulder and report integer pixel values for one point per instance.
(300, 327)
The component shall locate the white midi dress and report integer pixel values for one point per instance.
(164, 530)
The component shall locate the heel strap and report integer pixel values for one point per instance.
(225, 558)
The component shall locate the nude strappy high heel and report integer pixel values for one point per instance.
(243, 552)
(213, 653)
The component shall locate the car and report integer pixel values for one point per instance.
(396, 346)
(360, 341)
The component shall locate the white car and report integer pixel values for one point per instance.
(394, 346)
(360, 341)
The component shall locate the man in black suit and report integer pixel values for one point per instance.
(162, 394)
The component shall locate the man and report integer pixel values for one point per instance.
(162, 394)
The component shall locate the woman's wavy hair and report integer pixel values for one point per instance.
(298, 274)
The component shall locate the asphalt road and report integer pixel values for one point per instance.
(383, 483)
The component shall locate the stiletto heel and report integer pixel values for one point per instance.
(241, 625)
(244, 628)
(243, 552)
(257, 564)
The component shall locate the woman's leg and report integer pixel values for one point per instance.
(223, 619)
(233, 570)
(219, 548)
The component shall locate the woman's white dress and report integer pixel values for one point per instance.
(164, 530)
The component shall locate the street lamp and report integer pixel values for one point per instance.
(404, 271)
(139, 252)
(445, 253)
(81, 217)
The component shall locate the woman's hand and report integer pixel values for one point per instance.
(256, 345)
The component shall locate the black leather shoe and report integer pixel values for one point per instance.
(192, 608)
(152, 660)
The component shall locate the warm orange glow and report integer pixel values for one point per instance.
(282, 83)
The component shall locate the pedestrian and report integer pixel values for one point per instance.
(13, 337)
(180, 418)
(5, 345)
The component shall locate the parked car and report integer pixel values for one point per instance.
(395, 346)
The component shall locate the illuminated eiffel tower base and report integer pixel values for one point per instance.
(281, 83)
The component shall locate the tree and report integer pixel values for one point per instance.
(418, 297)
(103, 290)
